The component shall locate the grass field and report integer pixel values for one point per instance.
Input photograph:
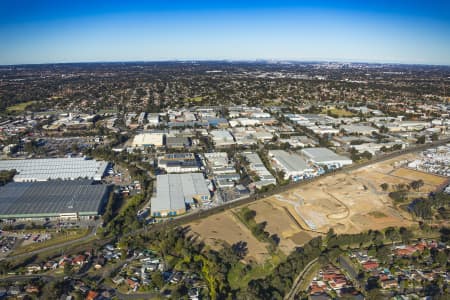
(377, 214)
(19, 107)
(238, 277)
(339, 112)
(428, 179)
(194, 99)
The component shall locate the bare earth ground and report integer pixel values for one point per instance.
(225, 227)
(281, 223)
(348, 203)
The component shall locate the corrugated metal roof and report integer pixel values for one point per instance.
(173, 191)
(54, 168)
(291, 162)
(51, 197)
(322, 155)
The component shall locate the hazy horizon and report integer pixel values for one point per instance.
(400, 32)
(256, 60)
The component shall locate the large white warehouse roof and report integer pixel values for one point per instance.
(173, 191)
(55, 168)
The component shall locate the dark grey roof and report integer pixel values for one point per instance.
(50, 198)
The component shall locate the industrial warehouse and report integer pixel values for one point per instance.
(53, 188)
(293, 165)
(176, 191)
(29, 170)
(56, 199)
(325, 157)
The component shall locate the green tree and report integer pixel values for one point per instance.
(421, 140)
(68, 269)
(441, 259)
(157, 279)
(392, 234)
(406, 234)
(384, 186)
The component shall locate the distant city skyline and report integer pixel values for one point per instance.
(412, 32)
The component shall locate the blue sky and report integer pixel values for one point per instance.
(81, 31)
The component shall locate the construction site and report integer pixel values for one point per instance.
(347, 202)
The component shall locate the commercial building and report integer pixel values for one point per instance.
(325, 157)
(177, 142)
(358, 129)
(218, 163)
(257, 166)
(152, 119)
(179, 163)
(293, 165)
(56, 199)
(55, 168)
(175, 191)
(155, 139)
(222, 138)
(227, 180)
(217, 159)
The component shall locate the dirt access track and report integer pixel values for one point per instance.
(348, 202)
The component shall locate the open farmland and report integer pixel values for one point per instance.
(347, 202)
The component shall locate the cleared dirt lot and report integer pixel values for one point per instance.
(347, 202)
(226, 228)
(282, 222)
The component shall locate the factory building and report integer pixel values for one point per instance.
(325, 157)
(152, 119)
(222, 138)
(177, 142)
(29, 170)
(179, 163)
(358, 129)
(155, 139)
(219, 163)
(293, 165)
(256, 165)
(55, 200)
(175, 191)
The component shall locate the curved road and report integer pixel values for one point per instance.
(57, 246)
(297, 283)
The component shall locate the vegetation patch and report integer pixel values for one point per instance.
(241, 274)
(338, 112)
(20, 107)
(377, 214)
(247, 216)
(194, 99)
